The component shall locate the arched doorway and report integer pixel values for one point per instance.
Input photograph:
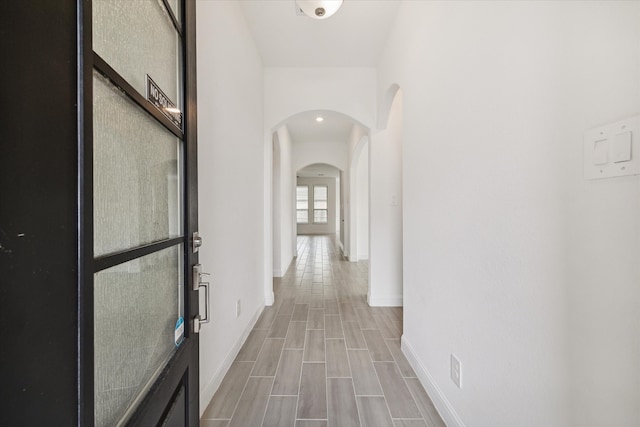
(318, 200)
(310, 137)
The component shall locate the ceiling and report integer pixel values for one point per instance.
(303, 127)
(353, 37)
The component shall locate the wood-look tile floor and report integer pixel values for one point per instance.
(320, 356)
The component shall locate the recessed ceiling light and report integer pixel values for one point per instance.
(319, 119)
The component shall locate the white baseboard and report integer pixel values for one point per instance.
(279, 272)
(207, 392)
(269, 297)
(444, 407)
(287, 267)
(363, 257)
(385, 301)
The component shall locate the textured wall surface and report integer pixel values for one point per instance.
(512, 261)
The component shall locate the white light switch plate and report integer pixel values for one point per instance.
(456, 371)
(602, 147)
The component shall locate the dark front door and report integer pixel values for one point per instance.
(139, 347)
(98, 211)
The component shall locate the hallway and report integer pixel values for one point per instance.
(320, 356)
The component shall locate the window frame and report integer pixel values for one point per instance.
(298, 200)
(326, 200)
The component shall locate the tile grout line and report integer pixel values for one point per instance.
(326, 367)
(235, 408)
(301, 369)
(264, 412)
(318, 256)
(386, 401)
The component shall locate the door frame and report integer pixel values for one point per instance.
(181, 372)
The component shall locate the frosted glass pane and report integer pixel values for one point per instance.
(320, 204)
(136, 37)
(136, 175)
(302, 193)
(320, 192)
(136, 306)
(303, 217)
(177, 9)
(320, 216)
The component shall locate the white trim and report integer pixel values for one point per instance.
(385, 301)
(363, 257)
(269, 298)
(290, 263)
(443, 406)
(206, 393)
(279, 272)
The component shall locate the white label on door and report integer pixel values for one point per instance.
(179, 332)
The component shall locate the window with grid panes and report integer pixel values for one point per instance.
(320, 204)
(302, 204)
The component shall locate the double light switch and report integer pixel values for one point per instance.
(613, 150)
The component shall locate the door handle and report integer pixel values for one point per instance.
(197, 284)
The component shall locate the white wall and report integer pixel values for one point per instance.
(332, 153)
(283, 209)
(513, 262)
(483, 223)
(362, 204)
(231, 145)
(358, 139)
(350, 91)
(385, 214)
(338, 185)
(330, 226)
(604, 219)
(276, 207)
(342, 186)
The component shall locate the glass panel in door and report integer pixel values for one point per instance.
(136, 38)
(136, 174)
(177, 11)
(137, 200)
(137, 204)
(136, 305)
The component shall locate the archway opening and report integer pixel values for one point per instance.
(303, 143)
(306, 138)
(318, 200)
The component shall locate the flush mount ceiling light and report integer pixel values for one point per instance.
(319, 9)
(319, 119)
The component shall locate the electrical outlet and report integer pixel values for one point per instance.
(456, 371)
(238, 308)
